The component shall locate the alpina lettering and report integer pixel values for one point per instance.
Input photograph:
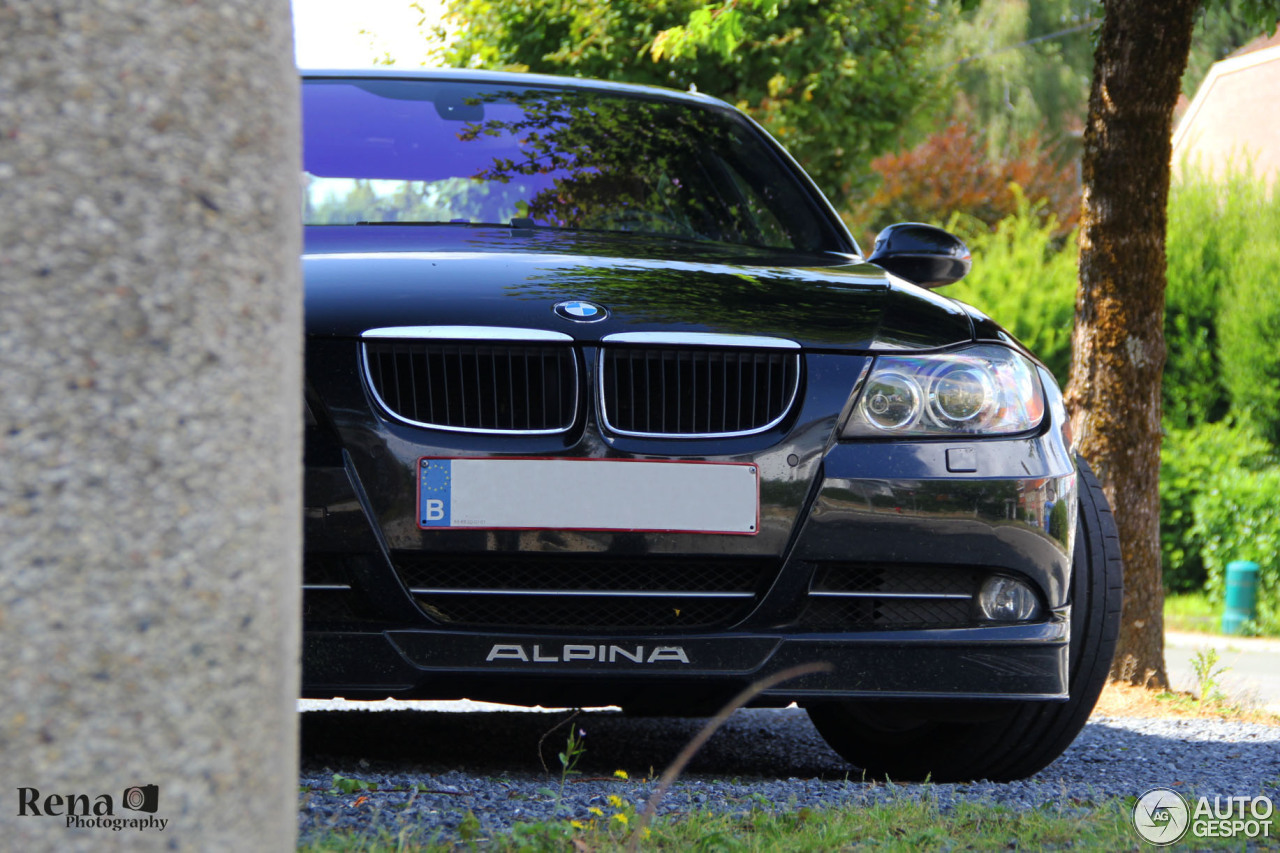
(584, 653)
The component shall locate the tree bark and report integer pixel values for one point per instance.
(1118, 350)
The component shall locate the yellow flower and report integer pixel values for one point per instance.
(577, 824)
(620, 818)
(620, 774)
(615, 801)
(595, 811)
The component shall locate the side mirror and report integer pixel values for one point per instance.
(922, 254)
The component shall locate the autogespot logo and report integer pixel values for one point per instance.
(581, 311)
(1161, 816)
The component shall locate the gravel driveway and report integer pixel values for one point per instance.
(487, 763)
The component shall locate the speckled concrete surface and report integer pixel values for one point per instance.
(150, 345)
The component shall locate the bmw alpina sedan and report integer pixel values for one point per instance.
(606, 406)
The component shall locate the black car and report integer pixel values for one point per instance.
(605, 406)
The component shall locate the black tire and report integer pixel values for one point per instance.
(999, 741)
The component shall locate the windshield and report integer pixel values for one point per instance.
(453, 152)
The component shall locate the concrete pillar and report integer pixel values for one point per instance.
(150, 427)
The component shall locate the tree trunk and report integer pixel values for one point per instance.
(1117, 347)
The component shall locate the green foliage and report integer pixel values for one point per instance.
(1208, 676)
(1191, 462)
(574, 749)
(837, 81)
(1250, 313)
(348, 785)
(717, 29)
(1250, 327)
(1023, 69)
(1209, 228)
(1223, 261)
(1221, 317)
(469, 828)
(1025, 278)
(1236, 520)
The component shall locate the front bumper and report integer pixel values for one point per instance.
(922, 516)
(981, 507)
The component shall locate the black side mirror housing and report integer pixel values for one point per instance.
(922, 254)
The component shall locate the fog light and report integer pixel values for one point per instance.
(1008, 600)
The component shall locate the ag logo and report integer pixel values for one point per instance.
(580, 311)
(1161, 816)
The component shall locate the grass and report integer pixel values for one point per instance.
(915, 825)
(902, 825)
(1191, 611)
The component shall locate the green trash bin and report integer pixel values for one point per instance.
(1242, 595)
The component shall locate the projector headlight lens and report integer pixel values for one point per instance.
(892, 400)
(981, 390)
(961, 394)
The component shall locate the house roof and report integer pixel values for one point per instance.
(1233, 121)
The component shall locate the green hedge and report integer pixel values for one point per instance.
(1199, 255)
(1221, 316)
(1219, 482)
(1236, 520)
(1249, 325)
(1191, 462)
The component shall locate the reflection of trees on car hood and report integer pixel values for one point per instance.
(740, 300)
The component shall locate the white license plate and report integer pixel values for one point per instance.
(588, 494)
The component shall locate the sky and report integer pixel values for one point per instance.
(328, 33)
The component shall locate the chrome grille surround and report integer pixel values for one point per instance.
(665, 358)
(471, 347)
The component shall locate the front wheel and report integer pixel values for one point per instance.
(999, 741)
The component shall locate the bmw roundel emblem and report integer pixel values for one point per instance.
(580, 311)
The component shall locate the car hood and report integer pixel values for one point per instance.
(360, 278)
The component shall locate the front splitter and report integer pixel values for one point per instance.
(1013, 662)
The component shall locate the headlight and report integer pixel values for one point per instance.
(982, 390)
